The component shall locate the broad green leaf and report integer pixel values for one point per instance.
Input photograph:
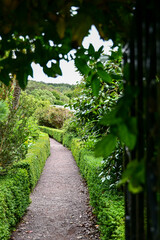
(111, 118)
(99, 52)
(56, 68)
(53, 70)
(134, 175)
(116, 76)
(99, 65)
(126, 136)
(91, 50)
(104, 75)
(105, 146)
(95, 84)
(82, 66)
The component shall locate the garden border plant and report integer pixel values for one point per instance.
(18, 183)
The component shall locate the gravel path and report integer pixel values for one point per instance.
(59, 208)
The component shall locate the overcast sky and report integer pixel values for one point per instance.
(70, 75)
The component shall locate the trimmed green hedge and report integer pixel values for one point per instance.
(15, 187)
(35, 159)
(57, 134)
(67, 140)
(14, 199)
(108, 206)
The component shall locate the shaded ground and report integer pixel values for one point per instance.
(59, 208)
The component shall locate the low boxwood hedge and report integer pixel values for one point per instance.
(14, 199)
(57, 134)
(108, 206)
(15, 187)
(35, 159)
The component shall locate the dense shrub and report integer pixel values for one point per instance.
(108, 206)
(52, 117)
(35, 159)
(57, 134)
(18, 131)
(18, 183)
(14, 199)
(59, 102)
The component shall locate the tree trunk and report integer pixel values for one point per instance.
(16, 94)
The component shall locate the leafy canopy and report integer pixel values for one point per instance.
(40, 31)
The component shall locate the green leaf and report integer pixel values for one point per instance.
(134, 175)
(53, 71)
(126, 136)
(99, 65)
(95, 84)
(111, 118)
(105, 76)
(91, 50)
(99, 52)
(81, 64)
(106, 146)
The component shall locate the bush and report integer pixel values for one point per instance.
(17, 132)
(59, 102)
(18, 183)
(14, 199)
(108, 206)
(67, 139)
(57, 134)
(35, 159)
(52, 117)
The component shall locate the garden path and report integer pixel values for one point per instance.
(60, 205)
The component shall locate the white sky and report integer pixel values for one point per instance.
(69, 73)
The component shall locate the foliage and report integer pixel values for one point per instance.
(111, 171)
(108, 206)
(59, 87)
(35, 159)
(135, 176)
(52, 116)
(17, 133)
(43, 95)
(57, 134)
(24, 42)
(3, 111)
(54, 93)
(90, 108)
(18, 183)
(100, 90)
(14, 199)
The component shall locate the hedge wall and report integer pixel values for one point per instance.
(108, 206)
(35, 159)
(15, 187)
(57, 134)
